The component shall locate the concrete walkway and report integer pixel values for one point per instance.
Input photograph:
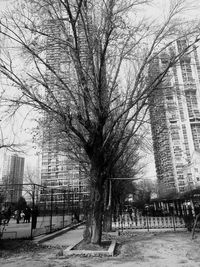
(68, 238)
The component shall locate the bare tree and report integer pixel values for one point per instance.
(9, 143)
(143, 192)
(31, 183)
(11, 147)
(84, 65)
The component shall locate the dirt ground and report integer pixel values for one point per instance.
(168, 249)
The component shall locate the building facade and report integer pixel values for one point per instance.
(175, 123)
(12, 176)
(58, 170)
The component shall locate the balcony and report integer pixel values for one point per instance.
(195, 119)
(185, 58)
(190, 86)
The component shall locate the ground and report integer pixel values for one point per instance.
(161, 249)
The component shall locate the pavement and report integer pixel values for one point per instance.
(74, 234)
(68, 238)
(23, 230)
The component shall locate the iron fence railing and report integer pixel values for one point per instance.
(174, 214)
(36, 210)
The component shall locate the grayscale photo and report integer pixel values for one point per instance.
(99, 133)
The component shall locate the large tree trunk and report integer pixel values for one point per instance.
(94, 215)
(97, 215)
(97, 179)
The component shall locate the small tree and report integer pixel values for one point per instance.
(143, 192)
(21, 204)
(120, 185)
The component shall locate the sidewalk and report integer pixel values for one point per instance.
(68, 238)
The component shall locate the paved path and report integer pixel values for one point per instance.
(23, 230)
(67, 239)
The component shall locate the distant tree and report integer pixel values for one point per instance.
(124, 173)
(9, 144)
(31, 184)
(21, 203)
(120, 185)
(2, 197)
(142, 196)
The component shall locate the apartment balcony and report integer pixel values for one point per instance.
(185, 58)
(190, 86)
(195, 119)
(173, 117)
(173, 120)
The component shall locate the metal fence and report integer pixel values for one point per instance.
(139, 221)
(30, 210)
(175, 214)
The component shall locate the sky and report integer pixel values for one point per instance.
(22, 127)
(18, 129)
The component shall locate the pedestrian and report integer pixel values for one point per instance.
(28, 214)
(7, 215)
(25, 215)
(18, 216)
(22, 215)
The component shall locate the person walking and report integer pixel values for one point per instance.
(8, 214)
(18, 216)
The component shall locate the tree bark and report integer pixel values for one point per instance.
(96, 227)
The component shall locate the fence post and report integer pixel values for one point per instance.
(64, 210)
(173, 220)
(147, 222)
(33, 207)
(51, 213)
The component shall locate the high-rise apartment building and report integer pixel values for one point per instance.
(175, 123)
(58, 169)
(12, 176)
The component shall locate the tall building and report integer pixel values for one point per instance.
(58, 169)
(175, 123)
(12, 176)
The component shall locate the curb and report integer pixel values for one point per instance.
(110, 252)
(41, 239)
